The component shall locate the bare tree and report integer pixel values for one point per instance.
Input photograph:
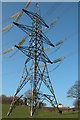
(74, 92)
(28, 97)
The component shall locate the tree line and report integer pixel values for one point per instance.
(8, 99)
(73, 92)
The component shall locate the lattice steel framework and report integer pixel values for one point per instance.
(35, 53)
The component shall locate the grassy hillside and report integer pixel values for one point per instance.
(23, 112)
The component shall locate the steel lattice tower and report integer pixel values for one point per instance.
(35, 52)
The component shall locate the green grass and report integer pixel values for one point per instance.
(23, 112)
(18, 112)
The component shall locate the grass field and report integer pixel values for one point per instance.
(23, 112)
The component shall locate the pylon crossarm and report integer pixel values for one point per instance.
(46, 40)
(31, 32)
(30, 54)
(34, 15)
(27, 29)
(45, 58)
(26, 52)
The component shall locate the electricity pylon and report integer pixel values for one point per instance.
(36, 54)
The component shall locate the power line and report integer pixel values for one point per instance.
(65, 57)
(58, 18)
(51, 10)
